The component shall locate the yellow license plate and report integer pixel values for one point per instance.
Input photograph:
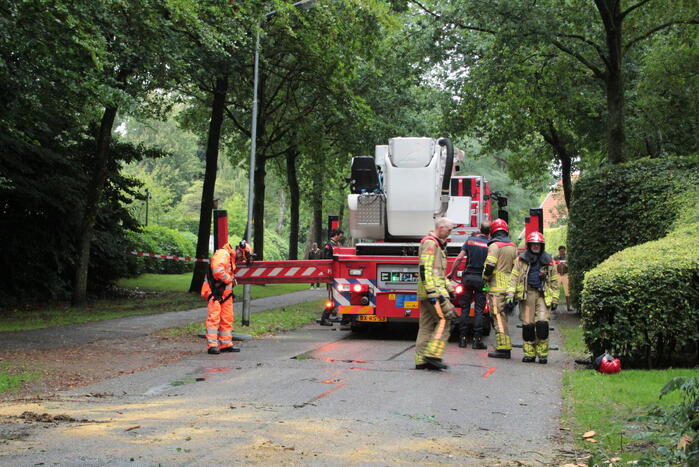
(372, 318)
(411, 304)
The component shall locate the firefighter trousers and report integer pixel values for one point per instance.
(433, 333)
(496, 300)
(535, 316)
(473, 292)
(219, 322)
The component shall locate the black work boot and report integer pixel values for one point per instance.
(543, 360)
(213, 351)
(478, 345)
(435, 363)
(499, 354)
(421, 366)
(463, 341)
(230, 349)
(527, 359)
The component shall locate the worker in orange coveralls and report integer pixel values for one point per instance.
(218, 291)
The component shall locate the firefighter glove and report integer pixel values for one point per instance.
(509, 307)
(452, 296)
(450, 313)
(554, 307)
(432, 300)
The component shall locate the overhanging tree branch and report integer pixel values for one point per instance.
(649, 33)
(633, 7)
(589, 42)
(598, 73)
(455, 23)
(236, 123)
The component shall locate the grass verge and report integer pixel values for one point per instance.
(610, 404)
(180, 283)
(164, 293)
(572, 334)
(97, 310)
(264, 323)
(12, 377)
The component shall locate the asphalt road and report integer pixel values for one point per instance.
(315, 396)
(133, 326)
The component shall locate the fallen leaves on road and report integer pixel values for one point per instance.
(588, 434)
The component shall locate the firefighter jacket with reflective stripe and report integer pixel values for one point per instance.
(222, 267)
(498, 265)
(518, 286)
(432, 282)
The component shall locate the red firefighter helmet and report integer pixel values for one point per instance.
(499, 224)
(605, 363)
(535, 237)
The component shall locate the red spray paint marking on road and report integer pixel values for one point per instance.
(327, 393)
(490, 371)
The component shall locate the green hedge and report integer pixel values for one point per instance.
(642, 304)
(160, 240)
(624, 205)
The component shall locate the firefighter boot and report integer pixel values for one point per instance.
(477, 344)
(529, 337)
(499, 354)
(542, 341)
(463, 342)
(503, 346)
(542, 351)
(434, 363)
(230, 349)
(420, 362)
(213, 351)
(529, 352)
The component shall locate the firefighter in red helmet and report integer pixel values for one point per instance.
(496, 272)
(534, 284)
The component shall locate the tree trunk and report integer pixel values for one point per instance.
(207, 196)
(566, 179)
(294, 202)
(317, 200)
(95, 189)
(281, 214)
(552, 137)
(309, 239)
(258, 208)
(614, 81)
(317, 204)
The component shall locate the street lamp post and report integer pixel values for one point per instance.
(253, 148)
(147, 198)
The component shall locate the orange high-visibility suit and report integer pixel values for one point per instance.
(219, 319)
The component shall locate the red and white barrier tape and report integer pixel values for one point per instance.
(176, 258)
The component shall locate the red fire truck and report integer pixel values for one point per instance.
(395, 198)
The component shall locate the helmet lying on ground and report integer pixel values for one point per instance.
(605, 363)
